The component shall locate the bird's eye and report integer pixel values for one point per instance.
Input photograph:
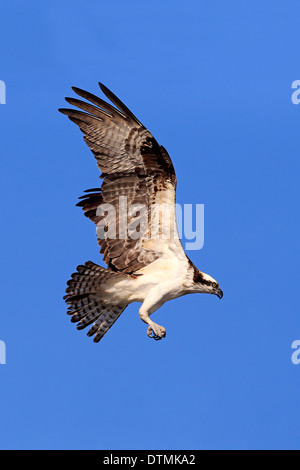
(214, 284)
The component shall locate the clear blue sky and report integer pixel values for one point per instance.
(212, 81)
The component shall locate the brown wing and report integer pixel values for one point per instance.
(133, 166)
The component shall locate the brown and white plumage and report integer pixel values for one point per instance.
(152, 267)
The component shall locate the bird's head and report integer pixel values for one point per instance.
(205, 284)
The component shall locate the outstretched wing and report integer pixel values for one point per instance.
(137, 173)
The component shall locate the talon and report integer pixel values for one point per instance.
(157, 338)
(156, 332)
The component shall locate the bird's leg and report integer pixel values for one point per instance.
(154, 330)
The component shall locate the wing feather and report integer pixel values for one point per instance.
(134, 166)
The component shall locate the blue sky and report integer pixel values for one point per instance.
(212, 81)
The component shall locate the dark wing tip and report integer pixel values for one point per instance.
(79, 91)
(64, 111)
(118, 103)
(104, 88)
(70, 100)
(91, 190)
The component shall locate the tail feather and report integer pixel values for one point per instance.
(87, 304)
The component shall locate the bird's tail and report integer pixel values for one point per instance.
(87, 304)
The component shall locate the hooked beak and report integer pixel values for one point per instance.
(219, 293)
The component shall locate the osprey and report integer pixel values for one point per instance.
(152, 267)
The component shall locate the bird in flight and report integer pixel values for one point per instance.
(145, 261)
